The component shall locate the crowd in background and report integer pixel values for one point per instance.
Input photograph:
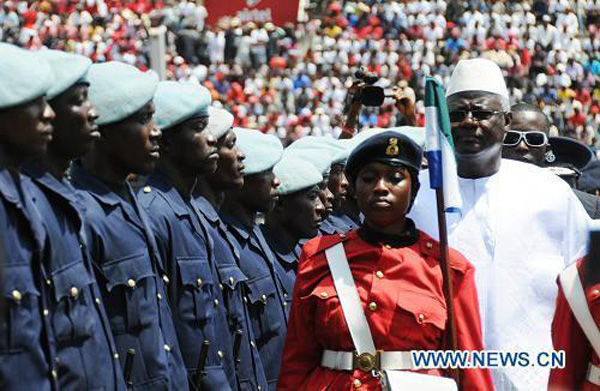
(292, 80)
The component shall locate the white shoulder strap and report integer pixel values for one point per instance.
(351, 305)
(575, 295)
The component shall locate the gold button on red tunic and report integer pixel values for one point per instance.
(405, 310)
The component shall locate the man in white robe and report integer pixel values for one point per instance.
(519, 225)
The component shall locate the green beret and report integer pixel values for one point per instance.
(24, 76)
(175, 102)
(262, 151)
(219, 121)
(68, 69)
(295, 175)
(119, 90)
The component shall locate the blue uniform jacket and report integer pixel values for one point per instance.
(26, 346)
(84, 343)
(195, 297)
(129, 271)
(250, 369)
(286, 265)
(265, 300)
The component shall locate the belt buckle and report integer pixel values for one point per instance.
(367, 362)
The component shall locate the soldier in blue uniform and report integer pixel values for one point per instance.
(209, 194)
(188, 152)
(84, 344)
(26, 346)
(119, 239)
(298, 214)
(265, 297)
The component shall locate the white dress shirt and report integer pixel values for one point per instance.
(519, 227)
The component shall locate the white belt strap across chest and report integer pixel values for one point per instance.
(575, 295)
(367, 357)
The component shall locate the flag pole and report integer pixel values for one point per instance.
(451, 338)
(433, 90)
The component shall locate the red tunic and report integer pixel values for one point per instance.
(567, 335)
(409, 311)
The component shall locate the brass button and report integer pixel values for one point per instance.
(216, 302)
(199, 282)
(379, 274)
(17, 295)
(48, 282)
(253, 344)
(147, 189)
(245, 300)
(220, 354)
(221, 287)
(429, 245)
(373, 306)
(264, 298)
(74, 291)
(342, 236)
(97, 301)
(285, 295)
(46, 312)
(167, 348)
(116, 356)
(258, 388)
(324, 294)
(285, 304)
(159, 296)
(54, 374)
(231, 280)
(421, 317)
(131, 283)
(357, 383)
(387, 246)
(595, 292)
(166, 279)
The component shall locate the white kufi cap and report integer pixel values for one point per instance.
(477, 74)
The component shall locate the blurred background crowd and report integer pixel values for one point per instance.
(292, 80)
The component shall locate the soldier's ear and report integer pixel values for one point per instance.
(508, 119)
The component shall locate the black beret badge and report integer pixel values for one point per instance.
(392, 149)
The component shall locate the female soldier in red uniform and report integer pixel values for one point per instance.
(397, 274)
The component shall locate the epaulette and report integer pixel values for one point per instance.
(322, 243)
(431, 248)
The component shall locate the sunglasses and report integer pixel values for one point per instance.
(478, 115)
(532, 138)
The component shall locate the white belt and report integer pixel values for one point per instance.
(593, 375)
(349, 361)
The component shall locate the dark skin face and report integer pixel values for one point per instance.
(526, 121)
(259, 192)
(132, 143)
(191, 147)
(326, 196)
(338, 185)
(478, 144)
(230, 168)
(75, 129)
(26, 130)
(383, 193)
(301, 213)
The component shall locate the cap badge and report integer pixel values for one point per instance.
(392, 149)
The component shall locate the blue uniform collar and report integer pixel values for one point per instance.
(236, 227)
(207, 209)
(273, 242)
(170, 193)
(86, 181)
(8, 188)
(63, 188)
